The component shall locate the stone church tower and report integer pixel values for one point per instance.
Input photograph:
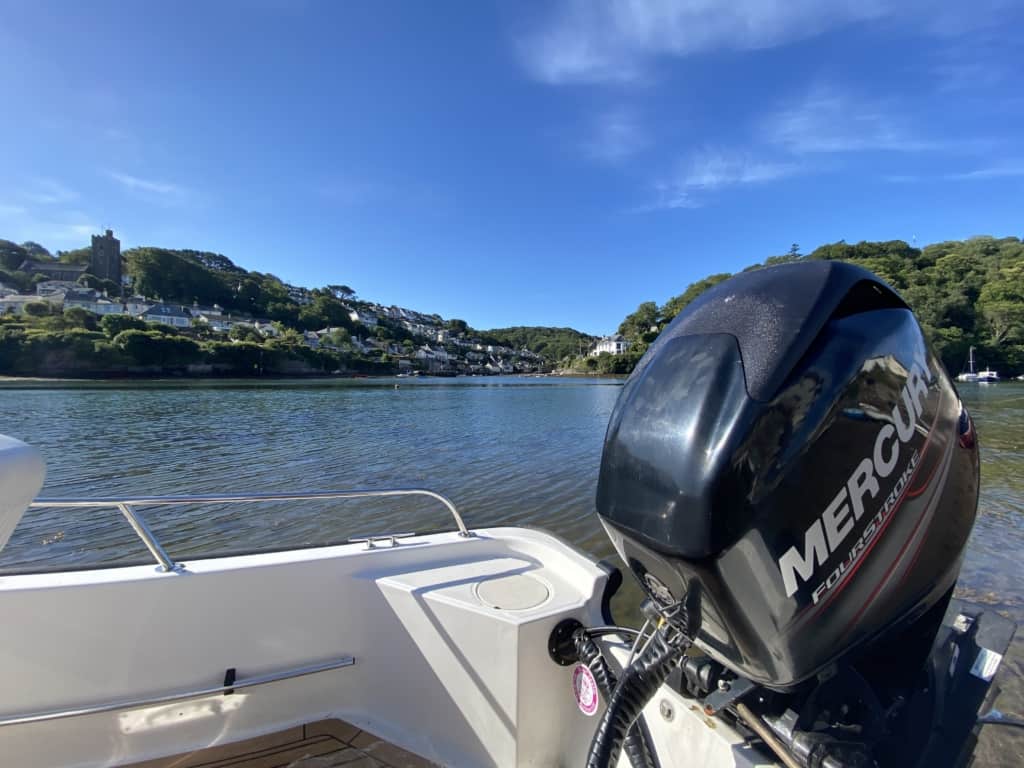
(106, 257)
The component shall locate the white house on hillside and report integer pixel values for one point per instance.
(99, 305)
(50, 287)
(614, 345)
(367, 318)
(137, 305)
(168, 314)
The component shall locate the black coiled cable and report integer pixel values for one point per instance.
(638, 684)
(635, 744)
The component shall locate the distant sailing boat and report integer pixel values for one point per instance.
(982, 377)
(969, 374)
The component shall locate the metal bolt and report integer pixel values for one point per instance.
(723, 685)
(666, 710)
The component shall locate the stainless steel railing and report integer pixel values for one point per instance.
(166, 563)
(165, 698)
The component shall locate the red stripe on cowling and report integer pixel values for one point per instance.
(860, 561)
(895, 562)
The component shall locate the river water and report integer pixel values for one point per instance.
(507, 450)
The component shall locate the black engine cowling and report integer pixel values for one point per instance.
(791, 446)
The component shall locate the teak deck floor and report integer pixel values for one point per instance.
(324, 744)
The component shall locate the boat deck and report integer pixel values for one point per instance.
(323, 744)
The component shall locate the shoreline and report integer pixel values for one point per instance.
(7, 381)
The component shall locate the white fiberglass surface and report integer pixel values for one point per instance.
(424, 645)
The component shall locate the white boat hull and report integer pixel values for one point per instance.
(438, 667)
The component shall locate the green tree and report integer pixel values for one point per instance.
(241, 358)
(642, 324)
(153, 348)
(174, 277)
(324, 311)
(964, 292)
(341, 292)
(552, 343)
(676, 304)
(456, 326)
(37, 309)
(77, 256)
(109, 287)
(289, 340)
(11, 255)
(112, 325)
(80, 317)
(36, 251)
(1001, 301)
(245, 333)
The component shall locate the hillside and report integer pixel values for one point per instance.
(965, 293)
(553, 343)
(318, 329)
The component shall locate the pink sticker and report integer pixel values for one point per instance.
(584, 688)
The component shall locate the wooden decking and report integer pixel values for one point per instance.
(324, 744)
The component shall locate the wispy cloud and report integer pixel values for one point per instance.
(711, 170)
(714, 168)
(616, 41)
(615, 136)
(669, 196)
(151, 186)
(1009, 170)
(47, 192)
(584, 41)
(994, 172)
(829, 121)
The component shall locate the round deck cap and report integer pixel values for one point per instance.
(518, 592)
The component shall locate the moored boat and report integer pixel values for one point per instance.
(969, 375)
(986, 376)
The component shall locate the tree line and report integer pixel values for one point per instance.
(964, 292)
(46, 341)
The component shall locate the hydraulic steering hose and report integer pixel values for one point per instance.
(635, 743)
(638, 684)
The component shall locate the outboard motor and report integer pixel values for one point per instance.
(791, 462)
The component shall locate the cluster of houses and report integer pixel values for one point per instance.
(455, 356)
(435, 349)
(65, 294)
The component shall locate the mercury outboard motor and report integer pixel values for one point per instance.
(790, 461)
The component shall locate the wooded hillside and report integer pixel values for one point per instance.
(965, 293)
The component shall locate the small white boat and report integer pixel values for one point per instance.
(987, 376)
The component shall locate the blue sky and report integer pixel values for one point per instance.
(509, 163)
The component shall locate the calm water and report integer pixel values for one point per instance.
(517, 451)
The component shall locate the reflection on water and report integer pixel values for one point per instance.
(507, 450)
